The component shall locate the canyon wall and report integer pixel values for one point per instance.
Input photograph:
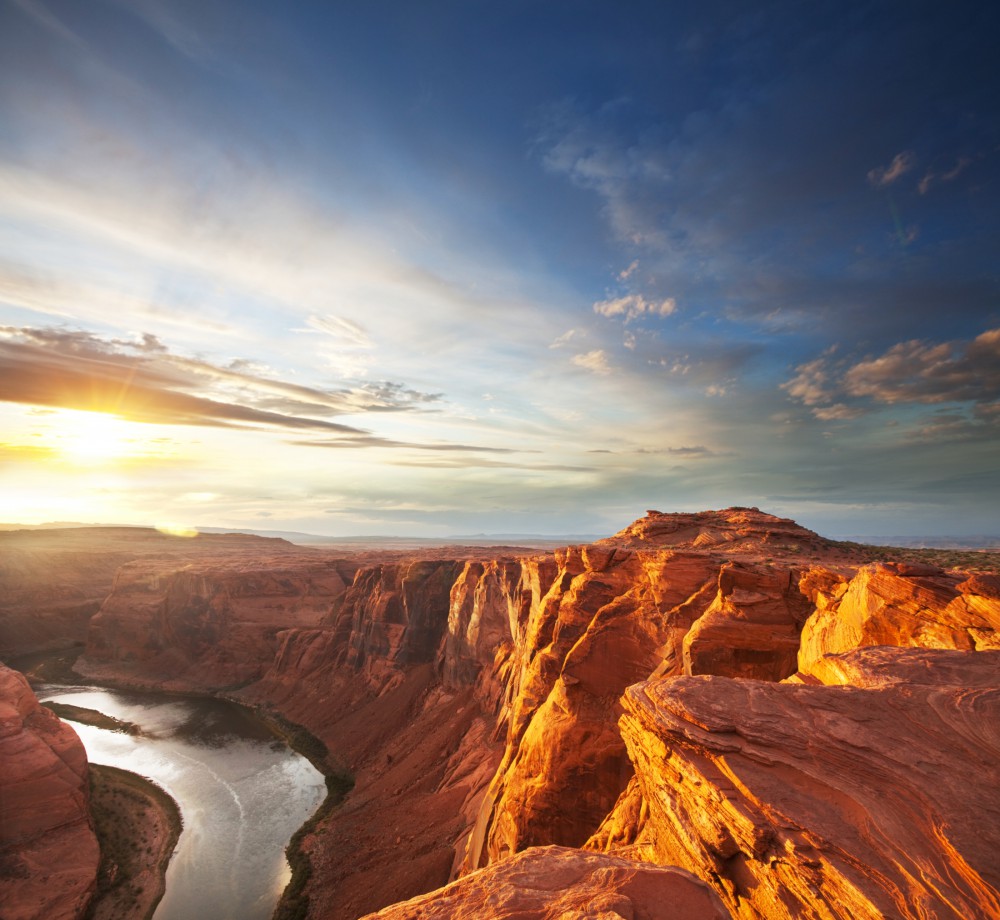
(653, 696)
(48, 849)
(52, 581)
(207, 624)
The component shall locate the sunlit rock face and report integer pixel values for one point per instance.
(905, 605)
(871, 795)
(549, 882)
(48, 850)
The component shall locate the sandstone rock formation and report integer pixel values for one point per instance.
(867, 799)
(48, 850)
(905, 605)
(480, 697)
(557, 883)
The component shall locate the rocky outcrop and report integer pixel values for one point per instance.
(545, 883)
(48, 850)
(904, 605)
(752, 627)
(599, 620)
(868, 800)
(733, 531)
(393, 680)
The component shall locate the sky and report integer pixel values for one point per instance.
(436, 268)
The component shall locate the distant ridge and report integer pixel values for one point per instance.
(960, 542)
(931, 542)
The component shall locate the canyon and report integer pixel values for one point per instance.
(705, 715)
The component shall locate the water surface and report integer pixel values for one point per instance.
(242, 793)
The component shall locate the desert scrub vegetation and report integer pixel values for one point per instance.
(137, 826)
(963, 560)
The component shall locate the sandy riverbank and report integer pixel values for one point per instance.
(137, 826)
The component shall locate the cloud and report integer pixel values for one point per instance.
(142, 381)
(932, 178)
(458, 463)
(691, 452)
(365, 441)
(564, 339)
(810, 383)
(911, 372)
(25, 453)
(632, 306)
(901, 164)
(837, 412)
(342, 329)
(596, 361)
(924, 372)
(627, 273)
(590, 148)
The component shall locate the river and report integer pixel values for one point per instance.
(242, 793)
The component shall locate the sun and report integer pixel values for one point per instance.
(93, 438)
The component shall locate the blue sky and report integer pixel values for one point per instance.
(438, 268)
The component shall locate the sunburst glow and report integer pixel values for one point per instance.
(95, 438)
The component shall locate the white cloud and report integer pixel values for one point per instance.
(901, 164)
(924, 372)
(563, 339)
(837, 412)
(632, 306)
(915, 371)
(342, 329)
(809, 385)
(596, 361)
(627, 273)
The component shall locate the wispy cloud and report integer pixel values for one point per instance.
(915, 371)
(564, 339)
(458, 463)
(926, 372)
(932, 178)
(141, 380)
(341, 329)
(595, 361)
(632, 306)
(365, 441)
(901, 164)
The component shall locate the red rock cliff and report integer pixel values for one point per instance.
(859, 800)
(48, 851)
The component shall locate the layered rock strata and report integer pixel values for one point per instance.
(905, 605)
(558, 883)
(48, 850)
(865, 798)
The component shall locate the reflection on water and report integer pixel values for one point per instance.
(242, 794)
